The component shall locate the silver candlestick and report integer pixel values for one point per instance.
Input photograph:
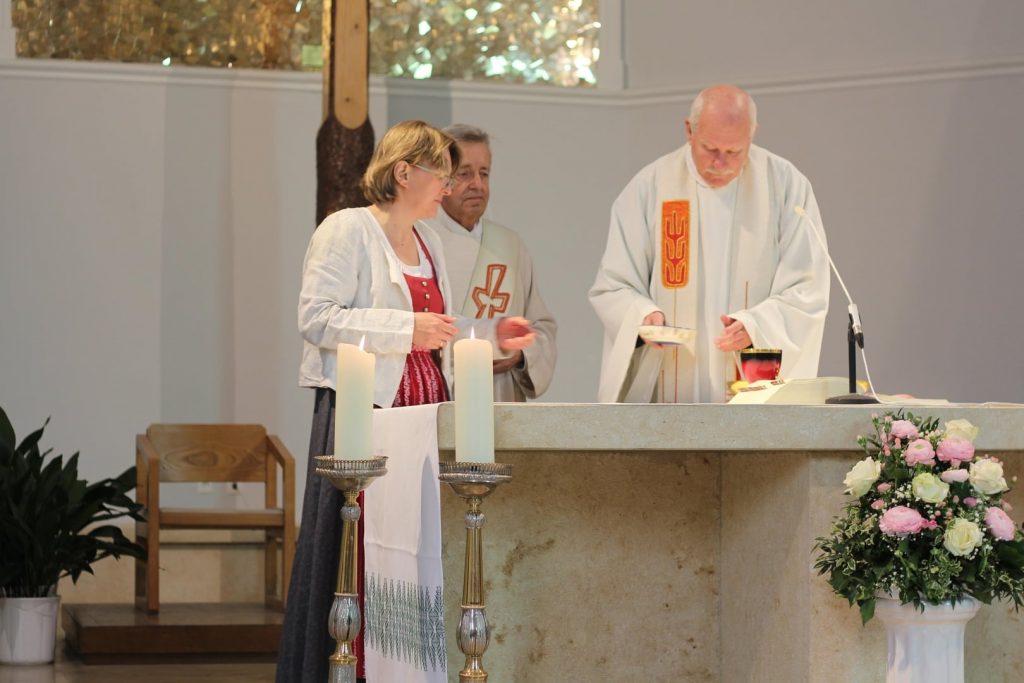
(474, 482)
(350, 477)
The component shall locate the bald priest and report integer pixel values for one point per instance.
(707, 238)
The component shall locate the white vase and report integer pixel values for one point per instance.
(925, 647)
(28, 629)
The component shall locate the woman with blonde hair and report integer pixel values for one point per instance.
(372, 273)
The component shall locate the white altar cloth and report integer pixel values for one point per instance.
(403, 628)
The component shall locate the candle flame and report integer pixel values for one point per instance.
(472, 333)
(362, 343)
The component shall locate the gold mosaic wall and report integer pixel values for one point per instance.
(520, 42)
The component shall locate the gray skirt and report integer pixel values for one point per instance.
(305, 643)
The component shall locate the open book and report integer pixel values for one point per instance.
(812, 392)
(808, 392)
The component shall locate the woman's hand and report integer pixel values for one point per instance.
(514, 334)
(432, 330)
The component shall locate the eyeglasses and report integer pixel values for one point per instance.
(449, 182)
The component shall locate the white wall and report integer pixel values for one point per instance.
(80, 261)
(153, 221)
(673, 44)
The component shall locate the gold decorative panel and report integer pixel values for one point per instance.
(520, 42)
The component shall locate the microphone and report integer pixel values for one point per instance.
(858, 329)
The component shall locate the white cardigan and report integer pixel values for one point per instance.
(353, 286)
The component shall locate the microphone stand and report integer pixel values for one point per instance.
(854, 332)
(853, 398)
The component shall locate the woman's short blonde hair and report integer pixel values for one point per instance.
(413, 142)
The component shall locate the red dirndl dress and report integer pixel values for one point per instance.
(422, 380)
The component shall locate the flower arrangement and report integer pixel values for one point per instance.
(927, 522)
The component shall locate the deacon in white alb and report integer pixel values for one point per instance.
(490, 269)
(706, 238)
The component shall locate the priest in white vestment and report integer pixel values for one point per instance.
(706, 238)
(490, 269)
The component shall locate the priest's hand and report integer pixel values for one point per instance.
(506, 364)
(514, 334)
(432, 330)
(734, 337)
(655, 318)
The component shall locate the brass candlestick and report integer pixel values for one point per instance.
(474, 482)
(350, 477)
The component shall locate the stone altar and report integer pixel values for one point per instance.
(674, 543)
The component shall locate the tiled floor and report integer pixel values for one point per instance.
(68, 670)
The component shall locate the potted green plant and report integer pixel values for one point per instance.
(52, 524)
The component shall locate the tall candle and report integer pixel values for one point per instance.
(474, 401)
(353, 408)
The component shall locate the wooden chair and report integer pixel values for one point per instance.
(214, 453)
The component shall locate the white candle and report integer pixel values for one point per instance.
(353, 408)
(474, 401)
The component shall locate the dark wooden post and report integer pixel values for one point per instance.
(344, 142)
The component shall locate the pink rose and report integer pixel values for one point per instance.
(903, 429)
(970, 501)
(878, 504)
(919, 452)
(955, 449)
(900, 521)
(1000, 524)
(884, 486)
(931, 524)
(950, 476)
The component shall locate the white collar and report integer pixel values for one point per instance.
(456, 227)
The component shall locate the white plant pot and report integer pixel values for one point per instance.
(925, 647)
(28, 629)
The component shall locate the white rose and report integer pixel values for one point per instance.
(961, 428)
(962, 537)
(929, 488)
(859, 480)
(987, 477)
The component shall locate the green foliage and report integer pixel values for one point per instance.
(53, 524)
(862, 561)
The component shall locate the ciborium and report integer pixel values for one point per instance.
(473, 481)
(350, 477)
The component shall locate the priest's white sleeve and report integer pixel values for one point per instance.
(534, 377)
(621, 294)
(792, 318)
